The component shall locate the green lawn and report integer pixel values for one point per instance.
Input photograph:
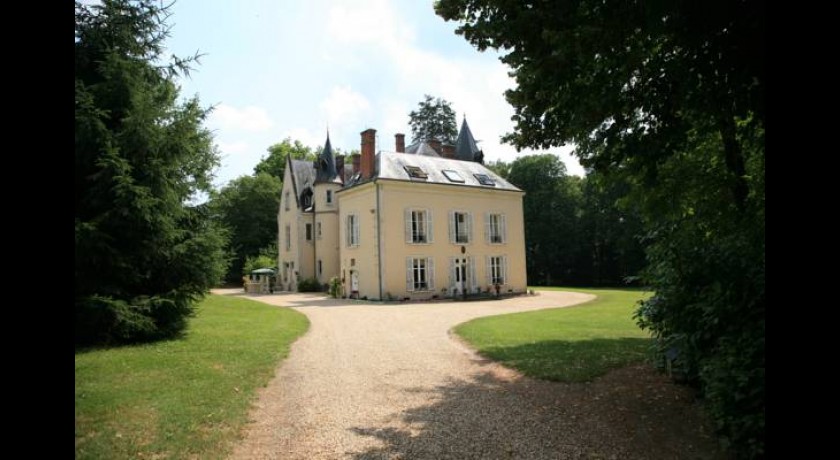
(185, 398)
(570, 344)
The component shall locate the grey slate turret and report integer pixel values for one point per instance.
(465, 146)
(325, 166)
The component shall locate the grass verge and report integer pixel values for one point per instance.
(185, 398)
(571, 344)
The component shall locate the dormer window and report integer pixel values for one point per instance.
(484, 179)
(416, 173)
(306, 198)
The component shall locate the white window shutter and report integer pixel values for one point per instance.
(408, 238)
(472, 268)
(430, 273)
(430, 236)
(504, 228)
(451, 273)
(487, 227)
(504, 270)
(488, 270)
(452, 226)
(409, 274)
(469, 224)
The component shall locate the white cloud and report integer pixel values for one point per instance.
(344, 107)
(232, 148)
(370, 35)
(305, 136)
(250, 118)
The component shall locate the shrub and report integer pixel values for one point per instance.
(309, 285)
(334, 287)
(106, 320)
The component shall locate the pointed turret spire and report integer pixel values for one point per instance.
(465, 146)
(325, 170)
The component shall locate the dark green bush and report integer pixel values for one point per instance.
(104, 320)
(309, 285)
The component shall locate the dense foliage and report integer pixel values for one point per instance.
(575, 233)
(247, 207)
(667, 98)
(275, 162)
(143, 253)
(267, 258)
(433, 119)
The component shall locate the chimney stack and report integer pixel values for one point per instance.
(356, 161)
(400, 137)
(435, 144)
(448, 151)
(368, 151)
(339, 167)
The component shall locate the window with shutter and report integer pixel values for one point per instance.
(418, 226)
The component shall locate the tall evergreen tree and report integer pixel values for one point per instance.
(144, 252)
(433, 119)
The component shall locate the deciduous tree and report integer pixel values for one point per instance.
(667, 97)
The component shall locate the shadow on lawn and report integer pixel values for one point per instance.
(632, 412)
(572, 361)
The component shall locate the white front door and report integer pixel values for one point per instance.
(354, 282)
(460, 275)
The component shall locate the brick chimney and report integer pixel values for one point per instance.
(435, 144)
(368, 152)
(356, 162)
(400, 138)
(339, 167)
(448, 151)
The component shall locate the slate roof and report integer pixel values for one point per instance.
(326, 171)
(422, 148)
(465, 146)
(303, 175)
(391, 165)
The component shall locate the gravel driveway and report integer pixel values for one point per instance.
(388, 381)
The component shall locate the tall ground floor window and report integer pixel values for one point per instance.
(420, 274)
(496, 269)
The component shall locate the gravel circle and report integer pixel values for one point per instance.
(374, 381)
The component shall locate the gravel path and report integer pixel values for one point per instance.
(387, 382)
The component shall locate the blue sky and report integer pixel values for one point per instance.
(276, 69)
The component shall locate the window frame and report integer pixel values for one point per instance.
(414, 227)
(497, 270)
(352, 228)
(420, 274)
(454, 227)
(495, 228)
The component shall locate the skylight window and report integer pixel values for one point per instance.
(484, 179)
(416, 172)
(453, 175)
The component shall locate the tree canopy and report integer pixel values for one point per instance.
(144, 253)
(666, 98)
(575, 232)
(433, 119)
(275, 162)
(247, 207)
